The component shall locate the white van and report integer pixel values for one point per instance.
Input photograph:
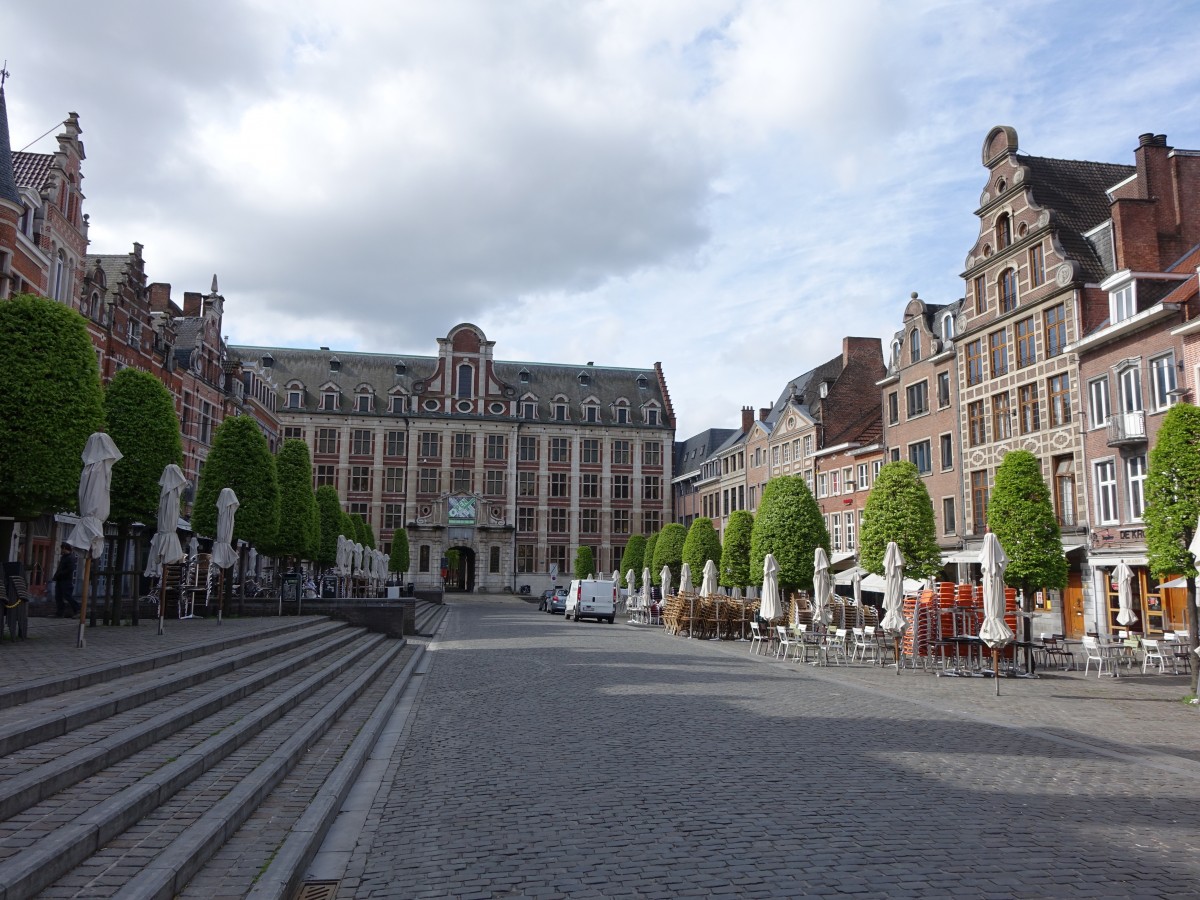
(592, 600)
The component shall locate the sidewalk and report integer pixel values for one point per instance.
(1145, 715)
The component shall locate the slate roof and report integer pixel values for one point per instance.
(807, 387)
(8, 181)
(544, 381)
(690, 454)
(1075, 193)
(188, 332)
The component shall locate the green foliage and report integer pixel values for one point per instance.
(790, 526)
(635, 552)
(585, 565)
(359, 527)
(239, 459)
(398, 560)
(648, 560)
(347, 527)
(899, 509)
(329, 517)
(668, 551)
(50, 402)
(1173, 492)
(369, 534)
(299, 533)
(141, 420)
(1021, 516)
(701, 544)
(735, 554)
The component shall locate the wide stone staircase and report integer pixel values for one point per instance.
(226, 759)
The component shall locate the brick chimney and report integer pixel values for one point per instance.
(160, 297)
(763, 412)
(193, 304)
(747, 417)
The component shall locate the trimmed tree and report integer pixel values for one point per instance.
(240, 459)
(647, 561)
(141, 420)
(50, 402)
(398, 558)
(735, 553)
(1021, 516)
(347, 527)
(368, 535)
(701, 544)
(789, 525)
(899, 509)
(360, 529)
(668, 551)
(329, 514)
(584, 563)
(1173, 505)
(635, 552)
(299, 535)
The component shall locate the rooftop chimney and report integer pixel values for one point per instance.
(747, 417)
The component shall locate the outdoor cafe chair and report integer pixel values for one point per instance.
(1179, 646)
(756, 638)
(835, 646)
(863, 647)
(1095, 653)
(785, 641)
(1152, 653)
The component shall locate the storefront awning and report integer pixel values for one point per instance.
(961, 556)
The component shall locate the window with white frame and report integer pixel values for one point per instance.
(849, 530)
(363, 402)
(329, 400)
(836, 531)
(1099, 406)
(835, 482)
(920, 455)
(848, 480)
(1135, 482)
(1130, 380)
(875, 467)
(1162, 380)
(1106, 491)
(808, 445)
(822, 481)
(946, 442)
(295, 398)
(1122, 303)
(863, 484)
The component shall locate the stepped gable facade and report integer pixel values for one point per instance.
(499, 470)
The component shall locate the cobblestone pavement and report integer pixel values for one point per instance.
(560, 759)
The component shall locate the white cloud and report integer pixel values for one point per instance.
(728, 186)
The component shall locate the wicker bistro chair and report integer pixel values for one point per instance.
(689, 612)
(670, 614)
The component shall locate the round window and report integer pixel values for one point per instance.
(498, 409)
(431, 405)
(465, 406)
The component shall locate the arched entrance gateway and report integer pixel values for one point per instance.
(460, 569)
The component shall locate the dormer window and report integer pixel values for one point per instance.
(267, 361)
(329, 400)
(362, 402)
(401, 369)
(622, 413)
(642, 382)
(335, 365)
(896, 346)
(914, 346)
(824, 389)
(399, 404)
(584, 379)
(295, 398)
(652, 416)
(528, 409)
(524, 376)
(561, 410)
(1122, 303)
(948, 329)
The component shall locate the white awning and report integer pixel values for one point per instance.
(960, 556)
(1180, 582)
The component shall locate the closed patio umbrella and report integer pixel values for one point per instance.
(665, 577)
(631, 586)
(223, 554)
(99, 456)
(647, 593)
(1123, 575)
(893, 596)
(772, 605)
(1194, 549)
(686, 587)
(709, 588)
(165, 548)
(994, 632)
(822, 588)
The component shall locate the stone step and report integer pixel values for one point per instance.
(39, 720)
(52, 765)
(45, 841)
(76, 678)
(429, 617)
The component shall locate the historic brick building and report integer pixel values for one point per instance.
(920, 408)
(498, 470)
(691, 495)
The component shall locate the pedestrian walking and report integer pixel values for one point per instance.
(64, 583)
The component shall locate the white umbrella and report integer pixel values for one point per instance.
(631, 586)
(709, 588)
(647, 596)
(165, 548)
(99, 456)
(822, 588)
(339, 558)
(772, 605)
(994, 632)
(856, 590)
(665, 577)
(685, 580)
(616, 576)
(252, 563)
(893, 596)
(358, 558)
(738, 594)
(223, 554)
(1124, 578)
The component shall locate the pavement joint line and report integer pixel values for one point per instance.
(1139, 756)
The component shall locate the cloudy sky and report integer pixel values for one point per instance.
(727, 187)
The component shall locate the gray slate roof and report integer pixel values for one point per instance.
(806, 389)
(544, 381)
(690, 454)
(8, 181)
(1075, 192)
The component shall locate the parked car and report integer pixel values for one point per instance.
(558, 603)
(544, 602)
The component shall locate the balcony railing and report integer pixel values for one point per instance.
(1126, 428)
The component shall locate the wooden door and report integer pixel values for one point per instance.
(1072, 611)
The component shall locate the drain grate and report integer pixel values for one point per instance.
(318, 890)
